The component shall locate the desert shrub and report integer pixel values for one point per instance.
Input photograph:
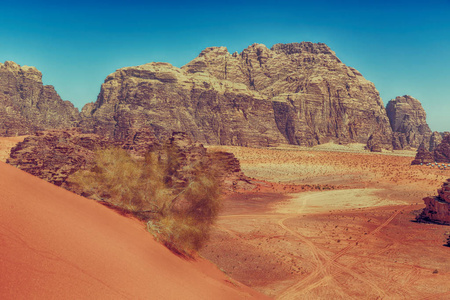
(178, 199)
(182, 234)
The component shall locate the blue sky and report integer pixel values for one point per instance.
(403, 47)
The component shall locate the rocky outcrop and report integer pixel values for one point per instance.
(442, 151)
(292, 93)
(435, 140)
(437, 208)
(423, 156)
(408, 121)
(374, 142)
(55, 155)
(26, 105)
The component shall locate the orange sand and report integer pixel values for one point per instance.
(355, 242)
(57, 245)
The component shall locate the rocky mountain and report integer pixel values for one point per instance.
(27, 105)
(168, 99)
(298, 93)
(408, 121)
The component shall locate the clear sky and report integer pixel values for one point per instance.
(403, 47)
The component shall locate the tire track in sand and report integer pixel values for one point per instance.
(305, 285)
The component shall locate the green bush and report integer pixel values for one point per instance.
(178, 199)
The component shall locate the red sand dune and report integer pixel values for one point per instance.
(57, 245)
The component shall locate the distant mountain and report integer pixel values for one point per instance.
(26, 105)
(298, 93)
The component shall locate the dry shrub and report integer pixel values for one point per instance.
(179, 200)
(180, 233)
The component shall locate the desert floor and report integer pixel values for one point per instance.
(352, 236)
(356, 240)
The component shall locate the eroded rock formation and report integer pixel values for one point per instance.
(292, 93)
(408, 121)
(26, 105)
(435, 140)
(56, 154)
(442, 151)
(374, 142)
(423, 156)
(437, 208)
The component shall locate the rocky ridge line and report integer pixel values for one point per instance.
(298, 93)
(26, 105)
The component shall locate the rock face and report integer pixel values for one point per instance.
(437, 208)
(316, 98)
(292, 93)
(168, 99)
(435, 140)
(27, 105)
(408, 122)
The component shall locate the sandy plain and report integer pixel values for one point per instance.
(356, 240)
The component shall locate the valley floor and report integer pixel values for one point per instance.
(358, 241)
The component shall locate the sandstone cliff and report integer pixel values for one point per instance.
(293, 93)
(437, 208)
(408, 121)
(168, 99)
(316, 98)
(27, 105)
